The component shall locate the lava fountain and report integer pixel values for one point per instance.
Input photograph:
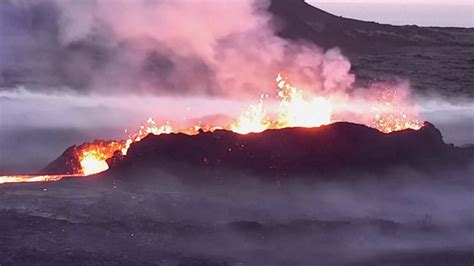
(389, 112)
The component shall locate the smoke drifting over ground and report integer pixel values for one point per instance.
(402, 218)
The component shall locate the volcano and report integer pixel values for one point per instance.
(279, 153)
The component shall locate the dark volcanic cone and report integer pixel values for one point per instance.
(336, 148)
(339, 147)
(68, 163)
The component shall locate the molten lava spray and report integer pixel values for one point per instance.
(296, 111)
(389, 112)
(253, 119)
(92, 156)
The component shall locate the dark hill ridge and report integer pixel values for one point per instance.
(436, 60)
(300, 20)
(339, 147)
(66, 163)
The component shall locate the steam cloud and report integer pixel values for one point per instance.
(87, 57)
(225, 48)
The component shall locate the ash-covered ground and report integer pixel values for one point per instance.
(402, 218)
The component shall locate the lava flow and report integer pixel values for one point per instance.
(30, 178)
(92, 156)
(389, 112)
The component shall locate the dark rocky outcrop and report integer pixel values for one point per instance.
(336, 148)
(70, 161)
(299, 20)
(67, 163)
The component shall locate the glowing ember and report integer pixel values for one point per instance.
(200, 127)
(30, 178)
(253, 119)
(92, 156)
(391, 113)
(150, 128)
(296, 111)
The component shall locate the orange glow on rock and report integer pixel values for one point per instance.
(389, 112)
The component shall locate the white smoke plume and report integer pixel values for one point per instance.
(224, 48)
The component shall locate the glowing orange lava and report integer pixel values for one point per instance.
(389, 113)
(149, 128)
(294, 111)
(30, 178)
(92, 156)
(253, 119)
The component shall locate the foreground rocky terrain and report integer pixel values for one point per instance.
(158, 220)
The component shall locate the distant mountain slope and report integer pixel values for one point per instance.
(436, 61)
(33, 54)
(299, 20)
